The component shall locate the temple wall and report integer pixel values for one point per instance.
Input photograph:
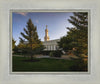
(51, 44)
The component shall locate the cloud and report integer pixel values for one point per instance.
(37, 21)
(22, 13)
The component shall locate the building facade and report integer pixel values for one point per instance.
(50, 44)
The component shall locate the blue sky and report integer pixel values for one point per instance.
(56, 21)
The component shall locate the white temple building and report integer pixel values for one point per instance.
(50, 44)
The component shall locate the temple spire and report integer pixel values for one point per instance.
(46, 38)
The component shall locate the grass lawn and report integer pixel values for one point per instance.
(44, 64)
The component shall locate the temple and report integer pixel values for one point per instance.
(50, 45)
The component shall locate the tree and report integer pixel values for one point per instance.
(32, 44)
(67, 42)
(13, 44)
(77, 36)
(80, 21)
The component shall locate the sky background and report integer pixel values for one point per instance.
(56, 21)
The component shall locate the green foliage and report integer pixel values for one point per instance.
(77, 36)
(30, 42)
(56, 53)
(80, 21)
(47, 52)
(13, 44)
(51, 54)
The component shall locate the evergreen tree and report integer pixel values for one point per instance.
(13, 44)
(32, 44)
(77, 37)
(80, 21)
(68, 42)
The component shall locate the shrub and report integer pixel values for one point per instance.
(51, 54)
(57, 53)
(46, 52)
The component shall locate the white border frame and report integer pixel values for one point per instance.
(92, 78)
